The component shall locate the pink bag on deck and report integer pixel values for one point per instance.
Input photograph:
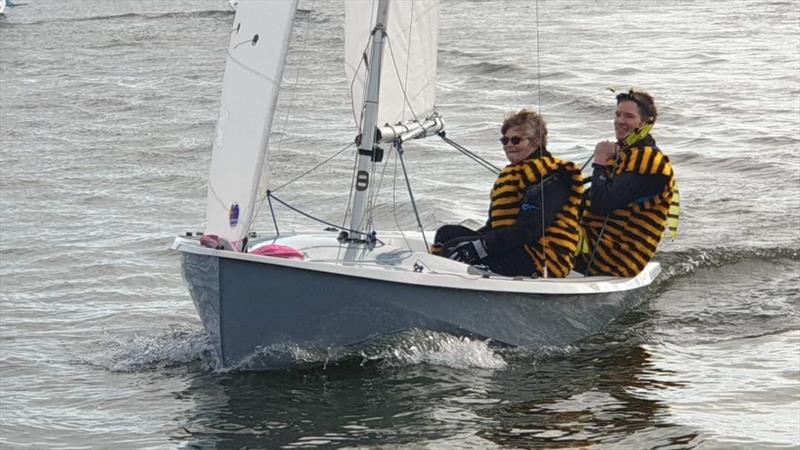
(216, 242)
(278, 251)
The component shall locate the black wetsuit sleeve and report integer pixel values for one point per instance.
(528, 228)
(609, 194)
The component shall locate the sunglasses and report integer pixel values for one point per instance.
(514, 140)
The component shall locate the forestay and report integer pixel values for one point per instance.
(409, 62)
(253, 71)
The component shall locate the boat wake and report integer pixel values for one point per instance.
(409, 347)
(429, 347)
(175, 347)
(685, 263)
(182, 346)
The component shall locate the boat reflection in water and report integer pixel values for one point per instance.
(555, 398)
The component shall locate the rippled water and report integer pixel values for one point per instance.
(107, 114)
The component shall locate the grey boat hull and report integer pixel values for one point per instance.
(253, 307)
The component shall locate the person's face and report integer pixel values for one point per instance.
(626, 119)
(522, 149)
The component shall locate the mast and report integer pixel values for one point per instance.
(368, 127)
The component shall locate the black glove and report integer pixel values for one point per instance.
(469, 250)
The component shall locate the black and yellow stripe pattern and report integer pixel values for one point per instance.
(632, 234)
(556, 249)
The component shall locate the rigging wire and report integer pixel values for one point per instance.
(361, 61)
(309, 23)
(541, 145)
(406, 101)
(399, 147)
(314, 168)
(352, 185)
(471, 155)
(371, 201)
(349, 199)
(374, 194)
(289, 109)
(357, 118)
(375, 188)
(408, 53)
(394, 204)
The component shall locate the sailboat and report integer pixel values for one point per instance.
(339, 287)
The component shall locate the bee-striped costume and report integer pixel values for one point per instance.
(556, 249)
(629, 237)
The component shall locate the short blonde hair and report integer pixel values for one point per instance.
(532, 122)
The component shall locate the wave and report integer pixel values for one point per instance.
(686, 263)
(135, 16)
(158, 16)
(301, 14)
(770, 169)
(451, 54)
(484, 68)
(590, 105)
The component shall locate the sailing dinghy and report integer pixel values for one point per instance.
(259, 295)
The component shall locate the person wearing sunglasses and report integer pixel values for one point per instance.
(634, 194)
(532, 229)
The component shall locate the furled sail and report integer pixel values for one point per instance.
(408, 75)
(253, 71)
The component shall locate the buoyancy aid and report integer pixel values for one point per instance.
(630, 236)
(557, 246)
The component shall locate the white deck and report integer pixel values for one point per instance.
(395, 262)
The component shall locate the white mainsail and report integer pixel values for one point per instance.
(253, 71)
(409, 62)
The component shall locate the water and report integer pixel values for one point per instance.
(107, 114)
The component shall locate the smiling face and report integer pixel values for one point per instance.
(626, 119)
(522, 150)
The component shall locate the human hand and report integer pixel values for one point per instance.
(469, 250)
(604, 151)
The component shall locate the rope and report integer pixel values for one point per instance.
(271, 195)
(603, 228)
(272, 214)
(267, 193)
(587, 161)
